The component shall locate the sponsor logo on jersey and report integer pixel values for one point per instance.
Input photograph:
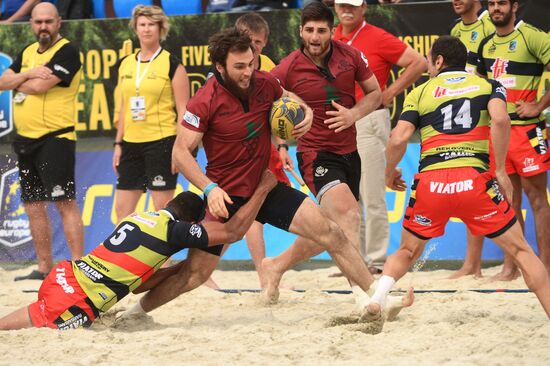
(89, 272)
(456, 154)
(195, 230)
(501, 90)
(192, 119)
(320, 171)
(453, 187)
(14, 223)
(57, 67)
(512, 46)
(496, 189)
(441, 92)
(422, 220)
(62, 281)
(492, 49)
(499, 67)
(455, 80)
(529, 165)
(474, 36)
(143, 220)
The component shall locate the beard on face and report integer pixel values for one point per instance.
(505, 20)
(234, 87)
(44, 38)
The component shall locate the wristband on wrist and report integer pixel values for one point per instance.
(282, 145)
(209, 187)
(119, 143)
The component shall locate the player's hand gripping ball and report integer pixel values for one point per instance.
(285, 114)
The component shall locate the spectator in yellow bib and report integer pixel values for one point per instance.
(153, 90)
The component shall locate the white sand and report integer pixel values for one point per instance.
(206, 327)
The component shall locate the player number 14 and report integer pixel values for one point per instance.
(462, 118)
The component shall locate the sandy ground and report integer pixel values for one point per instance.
(206, 327)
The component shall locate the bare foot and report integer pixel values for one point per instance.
(272, 278)
(372, 319)
(211, 284)
(506, 275)
(395, 304)
(466, 271)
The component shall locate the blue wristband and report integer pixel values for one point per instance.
(209, 187)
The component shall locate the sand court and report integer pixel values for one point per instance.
(206, 327)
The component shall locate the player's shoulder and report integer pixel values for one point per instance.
(345, 49)
(291, 58)
(530, 30)
(30, 47)
(486, 40)
(455, 27)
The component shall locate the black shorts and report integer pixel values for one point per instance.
(278, 209)
(147, 165)
(47, 174)
(323, 170)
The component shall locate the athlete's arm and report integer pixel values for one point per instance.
(38, 86)
(25, 9)
(414, 65)
(533, 109)
(186, 142)
(500, 135)
(11, 79)
(119, 134)
(395, 149)
(180, 86)
(343, 117)
(234, 229)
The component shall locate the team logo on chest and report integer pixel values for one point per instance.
(474, 36)
(512, 46)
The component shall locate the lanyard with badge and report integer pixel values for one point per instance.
(137, 103)
(356, 33)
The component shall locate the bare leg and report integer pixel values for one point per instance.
(16, 320)
(256, 246)
(472, 262)
(510, 269)
(313, 226)
(41, 233)
(534, 273)
(535, 188)
(161, 198)
(126, 202)
(194, 272)
(72, 226)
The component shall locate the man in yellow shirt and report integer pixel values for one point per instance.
(45, 78)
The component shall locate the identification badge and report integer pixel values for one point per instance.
(137, 106)
(19, 97)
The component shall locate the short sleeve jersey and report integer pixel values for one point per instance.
(54, 109)
(472, 35)
(517, 61)
(156, 88)
(451, 112)
(134, 251)
(237, 135)
(319, 86)
(381, 48)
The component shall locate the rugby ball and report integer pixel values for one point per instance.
(285, 113)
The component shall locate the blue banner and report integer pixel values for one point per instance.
(6, 121)
(96, 185)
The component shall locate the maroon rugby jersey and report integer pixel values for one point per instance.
(237, 137)
(343, 66)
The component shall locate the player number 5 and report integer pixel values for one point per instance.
(121, 234)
